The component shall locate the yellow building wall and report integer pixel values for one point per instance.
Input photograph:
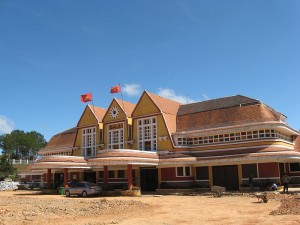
(161, 130)
(87, 119)
(145, 107)
(121, 118)
(107, 118)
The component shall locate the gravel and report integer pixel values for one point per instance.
(27, 209)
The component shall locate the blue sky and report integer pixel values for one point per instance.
(51, 52)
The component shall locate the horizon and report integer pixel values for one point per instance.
(53, 52)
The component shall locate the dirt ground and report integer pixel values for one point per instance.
(31, 207)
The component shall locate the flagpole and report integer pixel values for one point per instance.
(122, 100)
(93, 103)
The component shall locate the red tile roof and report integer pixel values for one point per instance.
(63, 139)
(99, 112)
(165, 105)
(219, 103)
(128, 107)
(229, 116)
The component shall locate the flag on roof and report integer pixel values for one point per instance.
(115, 89)
(86, 97)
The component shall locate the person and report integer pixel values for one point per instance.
(285, 180)
(272, 187)
(251, 183)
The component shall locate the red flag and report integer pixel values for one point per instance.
(115, 89)
(86, 97)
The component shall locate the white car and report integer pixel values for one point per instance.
(83, 189)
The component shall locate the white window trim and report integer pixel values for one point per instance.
(93, 136)
(184, 171)
(153, 139)
(110, 144)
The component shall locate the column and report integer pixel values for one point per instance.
(129, 176)
(240, 175)
(105, 176)
(97, 177)
(65, 176)
(210, 175)
(49, 178)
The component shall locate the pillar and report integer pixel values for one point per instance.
(65, 176)
(240, 174)
(97, 177)
(49, 178)
(159, 177)
(129, 176)
(105, 176)
(210, 175)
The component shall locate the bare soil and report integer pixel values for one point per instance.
(31, 207)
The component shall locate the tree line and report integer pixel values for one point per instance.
(22, 145)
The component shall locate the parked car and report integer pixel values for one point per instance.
(83, 189)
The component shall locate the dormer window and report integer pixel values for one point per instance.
(147, 134)
(116, 136)
(89, 142)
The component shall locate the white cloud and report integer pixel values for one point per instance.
(6, 126)
(132, 89)
(205, 97)
(170, 94)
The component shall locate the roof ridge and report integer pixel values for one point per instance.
(230, 96)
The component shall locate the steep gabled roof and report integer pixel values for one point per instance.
(127, 107)
(99, 112)
(165, 105)
(219, 103)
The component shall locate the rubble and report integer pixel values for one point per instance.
(5, 185)
(47, 208)
(290, 205)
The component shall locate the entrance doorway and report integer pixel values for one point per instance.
(89, 176)
(149, 179)
(58, 180)
(226, 176)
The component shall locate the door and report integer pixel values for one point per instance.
(58, 180)
(149, 179)
(226, 176)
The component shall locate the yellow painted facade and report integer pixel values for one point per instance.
(87, 119)
(145, 107)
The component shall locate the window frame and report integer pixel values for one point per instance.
(89, 134)
(184, 171)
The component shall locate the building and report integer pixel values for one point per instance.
(159, 143)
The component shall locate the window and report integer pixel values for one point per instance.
(183, 171)
(147, 134)
(121, 173)
(248, 170)
(111, 174)
(116, 136)
(89, 142)
(294, 167)
(240, 136)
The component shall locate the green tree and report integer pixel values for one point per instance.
(19, 144)
(6, 168)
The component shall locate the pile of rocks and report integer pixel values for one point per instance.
(290, 205)
(5, 185)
